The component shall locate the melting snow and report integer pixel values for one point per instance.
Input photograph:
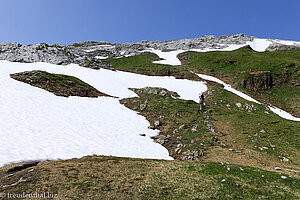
(90, 50)
(37, 125)
(286, 42)
(260, 44)
(257, 45)
(170, 58)
(228, 87)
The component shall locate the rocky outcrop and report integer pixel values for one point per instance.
(151, 90)
(208, 41)
(54, 54)
(277, 46)
(90, 53)
(258, 81)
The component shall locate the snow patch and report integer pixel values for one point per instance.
(286, 42)
(228, 87)
(37, 125)
(283, 114)
(101, 57)
(90, 50)
(170, 58)
(260, 45)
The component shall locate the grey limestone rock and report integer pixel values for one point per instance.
(91, 53)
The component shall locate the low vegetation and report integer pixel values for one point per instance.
(245, 150)
(271, 77)
(253, 135)
(59, 84)
(97, 177)
(142, 64)
(183, 132)
(231, 129)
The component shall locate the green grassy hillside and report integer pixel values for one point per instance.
(142, 64)
(240, 66)
(126, 178)
(271, 77)
(230, 129)
(59, 84)
(234, 149)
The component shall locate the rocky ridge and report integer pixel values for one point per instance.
(91, 54)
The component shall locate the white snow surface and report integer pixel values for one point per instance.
(287, 42)
(260, 45)
(101, 57)
(170, 58)
(37, 125)
(228, 87)
(90, 50)
(283, 114)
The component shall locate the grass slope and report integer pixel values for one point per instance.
(253, 135)
(59, 84)
(142, 64)
(235, 66)
(246, 133)
(232, 67)
(96, 177)
(180, 122)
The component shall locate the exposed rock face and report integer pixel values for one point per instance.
(54, 54)
(89, 53)
(150, 90)
(208, 41)
(277, 46)
(258, 81)
(15, 52)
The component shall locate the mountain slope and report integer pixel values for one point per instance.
(122, 178)
(161, 107)
(271, 77)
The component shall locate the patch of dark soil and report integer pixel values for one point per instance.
(21, 167)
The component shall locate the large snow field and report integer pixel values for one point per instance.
(37, 125)
(115, 83)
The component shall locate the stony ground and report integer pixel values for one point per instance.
(230, 129)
